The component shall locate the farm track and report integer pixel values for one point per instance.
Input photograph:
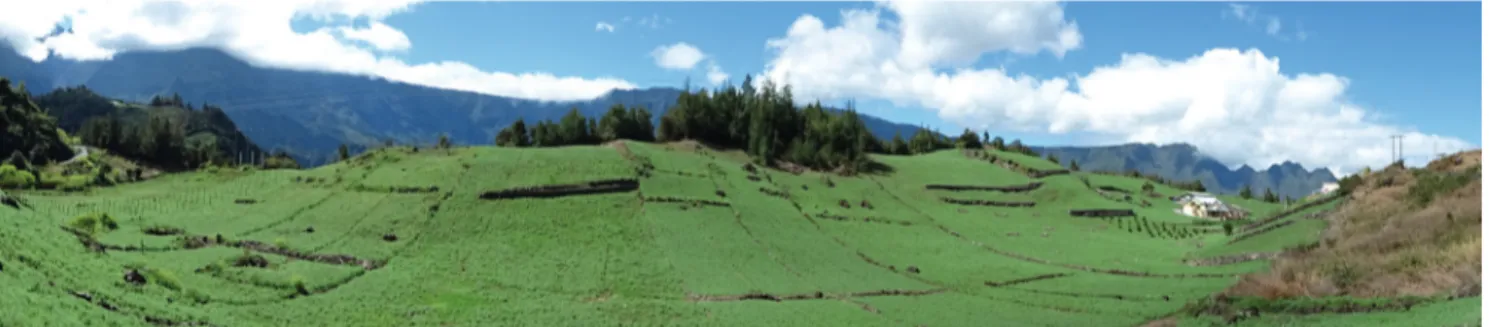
(1118, 272)
(1265, 230)
(1290, 212)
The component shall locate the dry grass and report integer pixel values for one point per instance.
(1380, 243)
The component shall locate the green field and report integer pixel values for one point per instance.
(396, 237)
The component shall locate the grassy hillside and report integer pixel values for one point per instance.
(645, 234)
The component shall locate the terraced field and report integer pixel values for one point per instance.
(636, 234)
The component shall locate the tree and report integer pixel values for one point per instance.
(1268, 196)
(998, 143)
(342, 153)
(444, 141)
(1246, 192)
(898, 145)
(1074, 166)
(1148, 187)
(968, 140)
(985, 137)
(1052, 158)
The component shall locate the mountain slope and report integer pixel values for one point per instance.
(309, 113)
(205, 133)
(30, 136)
(1185, 162)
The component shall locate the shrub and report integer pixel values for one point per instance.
(94, 222)
(299, 283)
(10, 177)
(164, 279)
(1431, 184)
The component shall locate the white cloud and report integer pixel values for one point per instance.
(259, 32)
(603, 26)
(716, 75)
(1234, 104)
(1274, 26)
(1243, 12)
(956, 35)
(677, 56)
(379, 35)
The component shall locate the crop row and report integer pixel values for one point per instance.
(1006, 189)
(968, 202)
(550, 191)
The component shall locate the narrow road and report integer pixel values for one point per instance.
(82, 152)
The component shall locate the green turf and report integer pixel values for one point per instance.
(445, 257)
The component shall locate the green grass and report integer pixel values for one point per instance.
(616, 259)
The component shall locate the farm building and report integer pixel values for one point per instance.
(1328, 187)
(1207, 206)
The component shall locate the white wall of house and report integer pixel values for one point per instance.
(1328, 187)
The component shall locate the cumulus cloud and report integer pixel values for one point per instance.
(603, 26)
(1234, 104)
(259, 32)
(677, 56)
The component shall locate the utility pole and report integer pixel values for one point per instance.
(1397, 147)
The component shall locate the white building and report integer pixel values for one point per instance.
(1328, 187)
(1206, 205)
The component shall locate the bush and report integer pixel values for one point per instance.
(299, 283)
(1431, 184)
(10, 177)
(94, 222)
(164, 279)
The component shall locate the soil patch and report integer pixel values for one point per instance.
(1103, 213)
(550, 191)
(1006, 189)
(864, 219)
(818, 295)
(968, 202)
(1232, 259)
(694, 202)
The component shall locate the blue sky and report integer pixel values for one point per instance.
(1324, 84)
(1417, 63)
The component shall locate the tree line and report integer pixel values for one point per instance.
(765, 123)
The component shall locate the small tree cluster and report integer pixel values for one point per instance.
(575, 129)
(770, 127)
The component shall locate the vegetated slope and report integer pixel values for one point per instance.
(1185, 162)
(196, 135)
(624, 234)
(1401, 232)
(30, 136)
(1393, 240)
